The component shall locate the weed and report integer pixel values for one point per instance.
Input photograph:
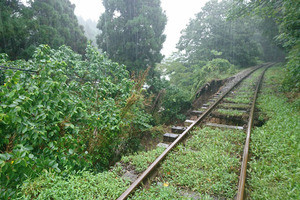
(230, 112)
(158, 191)
(231, 105)
(274, 165)
(83, 185)
(208, 163)
(142, 160)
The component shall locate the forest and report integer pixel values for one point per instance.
(75, 99)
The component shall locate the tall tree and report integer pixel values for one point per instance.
(132, 32)
(14, 25)
(212, 35)
(267, 31)
(56, 24)
(90, 29)
(53, 22)
(286, 14)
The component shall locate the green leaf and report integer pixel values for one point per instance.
(71, 151)
(13, 105)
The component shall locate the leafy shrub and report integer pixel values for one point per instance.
(291, 81)
(69, 115)
(176, 102)
(184, 81)
(171, 102)
(191, 77)
(217, 66)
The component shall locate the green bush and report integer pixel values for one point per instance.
(69, 115)
(172, 101)
(291, 81)
(184, 81)
(175, 104)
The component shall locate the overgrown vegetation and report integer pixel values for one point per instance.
(24, 28)
(230, 112)
(184, 81)
(163, 191)
(140, 161)
(190, 78)
(245, 90)
(285, 16)
(73, 116)
(274, 166)
(208, 164)
(231, 106)
(82, 185)
(193, 169)
(131, 32)
(69, 115)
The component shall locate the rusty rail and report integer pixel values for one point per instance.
(145, 174)
(242, 181)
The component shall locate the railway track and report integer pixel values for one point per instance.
(230, 109)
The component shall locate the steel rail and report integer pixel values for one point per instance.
(241, 186)
(142, 177)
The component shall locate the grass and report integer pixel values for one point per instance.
(143, 159)
(245, 95)
(162, 191)
(244, 92)
(207, 164)
(84, 185)
(166, 191)
(230, 112)
(230, 105)
(87, 185)
(238, 100)
(274, 167)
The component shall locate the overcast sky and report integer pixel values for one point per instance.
(178, 12)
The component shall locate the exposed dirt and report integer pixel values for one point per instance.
(292, 96)
(150, 140)
(231, 120)
(205, 92)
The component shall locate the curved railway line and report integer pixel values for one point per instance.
(228, 105)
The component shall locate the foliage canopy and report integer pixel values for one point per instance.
(69, 115)
(211, 35)
(286, 14)
(22, 28)
(132, 32)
